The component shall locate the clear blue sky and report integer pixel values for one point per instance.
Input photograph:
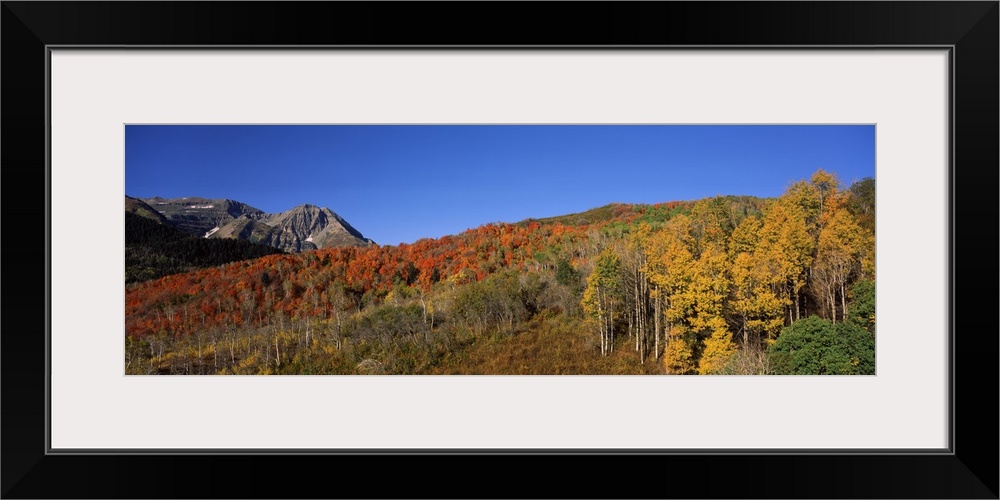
(402, 183)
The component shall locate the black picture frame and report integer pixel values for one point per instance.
(970, 470)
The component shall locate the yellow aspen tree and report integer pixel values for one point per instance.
(786, 249)
(600, 298)
(710, 226)
(709, 288)
(719, 347)
(827, 188)
(694, 290)
(670, 265)
(678, 356)
(635, 276)
(838, 258)
(753, 302)
(867, 256)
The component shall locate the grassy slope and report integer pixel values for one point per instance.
(556, 345)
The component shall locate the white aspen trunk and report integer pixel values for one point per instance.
(645, 309)
(642, 344)
(790, 320)
(656, 325)
(843, 303)
(611, 325)
(833, 308)
(604, 337)
(643, 293)
(666, 335)
(600, 319)
(635, 311)
(645, 316)
(631, 315)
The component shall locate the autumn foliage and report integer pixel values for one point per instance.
(680, 287)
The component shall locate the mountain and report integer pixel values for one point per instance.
(198, 216)
(141, 208)
(154, 249)
(244, 228)
(306, 227)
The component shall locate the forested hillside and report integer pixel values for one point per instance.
(153, 250)
(724, 285)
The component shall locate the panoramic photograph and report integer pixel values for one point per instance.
(499, 250)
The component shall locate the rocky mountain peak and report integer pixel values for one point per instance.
(304, 227)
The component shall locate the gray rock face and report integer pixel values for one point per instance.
(200, 215)
(306, 227)
(244, 228)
